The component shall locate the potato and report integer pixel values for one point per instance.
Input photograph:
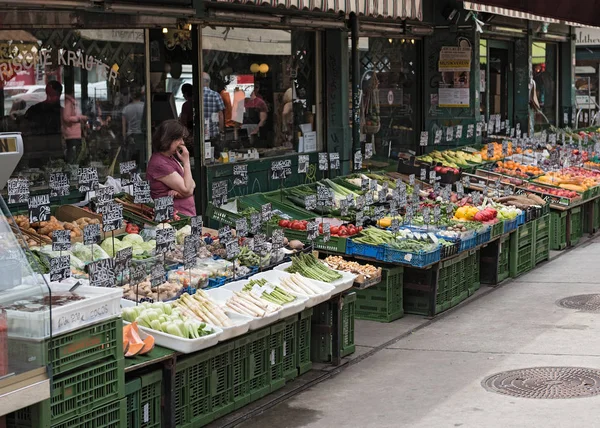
(296, 245)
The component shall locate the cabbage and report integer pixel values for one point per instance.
(109, 243)
(132, 238)
(182, 233)
(84, 252)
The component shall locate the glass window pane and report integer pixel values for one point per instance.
(544, 60)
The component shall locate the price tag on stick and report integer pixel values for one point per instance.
(60, 268)
(326, 232)
(266, 212)
(141, 192)
(112, 216)
(255, 223)
(123, 260)
(137, 274)
(240, 175)
(59, 184)
(241, 227)
(39, 208)
(196, 224)
(303, 162)
(158, 275)
(277, 239)
(190, 251)
(91, 234)
(18, 190)
(88, 179)
(126, 169)
(312, 230)
(163, 209)
(323, 162)
(165, 240)
(232, 249)
(102, 273)
(61, 240)
(334, 161)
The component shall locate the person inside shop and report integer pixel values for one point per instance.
(213, 109)
(131, 120)
(187, 109)
(169, 172)
(256, 114)
(71, 127)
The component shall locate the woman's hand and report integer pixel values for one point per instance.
(175, 194)
(183, 154)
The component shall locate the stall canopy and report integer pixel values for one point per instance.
(564, 12)
(411, 9)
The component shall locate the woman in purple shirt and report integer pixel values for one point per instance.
(169, 171)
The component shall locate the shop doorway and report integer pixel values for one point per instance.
(497, 80)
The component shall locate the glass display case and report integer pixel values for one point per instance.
(25, 311)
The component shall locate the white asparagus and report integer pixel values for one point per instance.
(251, 306)
(298, 281)
(240, 309)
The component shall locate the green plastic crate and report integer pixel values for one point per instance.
(382, 302)
(542, 226)
(70, 351)
(303, 361)
(282, 352)
(558, 230)
(251, 367)
(497, 229)
(594, 206)
(542, 250)
(110, 415)
(472, 269)
(504, 260)
(521, 259)
(335, 244)
(321, 342)
(576, 225)
(221, 380)
(143, 396)
(524, 234)
(34, 416)
(192, 390)
(417, 302)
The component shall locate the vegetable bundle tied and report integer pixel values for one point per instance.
(307, 265)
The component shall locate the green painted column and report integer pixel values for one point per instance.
(337, 112)
(567, 81)
(522, 79)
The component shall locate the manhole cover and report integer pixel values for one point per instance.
(583, 302)
(546, 382)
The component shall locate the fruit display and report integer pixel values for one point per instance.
(567, 179)
(455, 159)
(516, 169)
(344, 230)
(43, 230)
(133, 344)
(561, 193)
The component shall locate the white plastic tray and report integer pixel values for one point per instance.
(179, 344)
(290, 309)
(99, 304)
(274, 277)
(339, 285)
(220, 296)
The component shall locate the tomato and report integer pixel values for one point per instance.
(304, 222)
(302, 226)
(352, 230)
(321, 228)
(360, 228)
(294, 225)
(284, 223)
(334, 230)
(343, 231)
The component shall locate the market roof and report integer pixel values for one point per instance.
(541, 10)
(412, 9)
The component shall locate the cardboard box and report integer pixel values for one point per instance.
(495, 84)
(496, 104)
(72, 213)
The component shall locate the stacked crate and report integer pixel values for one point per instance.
(522, 247)
(542, 239)
(382, 302)
(88, 385)
(322, 323)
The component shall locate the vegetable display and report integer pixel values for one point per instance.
(309, 266)
(297, 283)
(200, 307)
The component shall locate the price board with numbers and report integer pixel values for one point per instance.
(60, 268)
(303, 163)
(102, 273)
(165, 240)
(141, 192)
(18, 190)
(323, 162)
(39, 208)
(163, 209)
(59, 184)
(61, 240)
(88, 179)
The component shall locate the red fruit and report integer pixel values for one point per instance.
(334, 230)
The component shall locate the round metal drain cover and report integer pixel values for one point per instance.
(583, 302)
(546, 382)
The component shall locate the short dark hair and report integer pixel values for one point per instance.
(54, 86)
(166, 133)
(187, 90)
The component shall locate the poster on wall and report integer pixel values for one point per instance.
(455, 67)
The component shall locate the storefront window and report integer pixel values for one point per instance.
(483, 64)
(389, 104)
(77, 97)
(259, 92)
(544, 63)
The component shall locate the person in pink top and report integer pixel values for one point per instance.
(169, 172)
(71, 126)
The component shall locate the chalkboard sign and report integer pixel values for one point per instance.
(112, 216)
(60, 268)
(326, 232)
(324, 197)
(39, 208)
(104, 195)
(280, 169)
(219, 193)
(323, 162)
(360, 202)
(18, 190)
(368, 150)
(310, 202)
(449, 133)
(88, 179)
(424, 139)
(266, 212)
(137, 274)
(157, 275)
(423, 176)
(232, 249)
(59, 184)
(255, 222)
(438, 137)
(411, 179)
(123, 259)
(364, 184)
(312, 230)
(260, 241)
(303, 162)
(91, 234)
(141, 192)
(395, 225)
(165, 240)
(378, 212)
(369, 198)
(478, 134)
(225, 234)
(61, 240)
(359, 218)
(163, 209)
(393, 208)
(436, 213)
(373, 185)
(126, 169)
(277, 239)
(459, 129)
(490, 150)
(334, 161)
(190, 251)
(382, 196)
(358, 160)
(240, 175)
(241, 227)
(102, 273)
(344, 206)
(196, 224)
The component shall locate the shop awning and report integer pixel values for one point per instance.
(411, 9)
(567, 13)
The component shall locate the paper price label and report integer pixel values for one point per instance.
(449, 133)
(460, 190)
(459, 131)
(303, 162)
(424, 139)
(479, 125)
(358, 159)
(470, 129)
(438, 137)
(344, 207)
(369, 149)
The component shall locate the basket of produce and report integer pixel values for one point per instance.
(367, 275)
(315, 291)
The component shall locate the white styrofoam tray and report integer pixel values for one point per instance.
(339, 285)
(179, 344)
(241, 323)
(220, 296)
(274, 277)
(288, 309)
(100, 304)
